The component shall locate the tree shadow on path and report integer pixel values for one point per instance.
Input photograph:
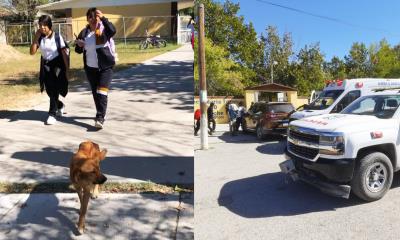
(157, 169)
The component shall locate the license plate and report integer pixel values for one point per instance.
(287, 166)
(285, 124)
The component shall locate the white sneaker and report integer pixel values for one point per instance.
(98, 124)
(60, 112)
(51, 120)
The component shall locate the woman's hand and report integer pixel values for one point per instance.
(99, 14)
(37, 35)
(80, 42)
(35, 43)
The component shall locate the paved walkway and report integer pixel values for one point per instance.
(111, 216)
(149, 137)
(148, 129)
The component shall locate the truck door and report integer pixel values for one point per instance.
(346, 100)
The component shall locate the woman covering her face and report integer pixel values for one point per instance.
(96, 44)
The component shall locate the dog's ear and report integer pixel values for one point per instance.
(102, 154)
(86, 148)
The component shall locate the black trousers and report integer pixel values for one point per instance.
(211, 124)
(51, 78)
(197, 127)
(239, 123)
(100, 81)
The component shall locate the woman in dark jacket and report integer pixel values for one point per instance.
(54, 66)
(94, 41)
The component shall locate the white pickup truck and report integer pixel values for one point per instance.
(356, 150)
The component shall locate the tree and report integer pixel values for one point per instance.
(26, 9)
(384, 60)
(226, 29)
(224, 76)
(308, 71)
(357, 62)
(279, 51)
(335, 69)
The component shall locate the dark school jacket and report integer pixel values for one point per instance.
(104, 56)
(62, 81)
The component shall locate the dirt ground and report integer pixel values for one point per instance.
(8, 53)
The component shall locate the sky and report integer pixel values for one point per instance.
(335, 24)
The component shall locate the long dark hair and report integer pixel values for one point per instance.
(91, 13)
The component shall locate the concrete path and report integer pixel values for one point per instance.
(148, 134)
(148, 129)
(111, 216)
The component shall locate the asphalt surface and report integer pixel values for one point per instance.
(148, 135)
(241, 194)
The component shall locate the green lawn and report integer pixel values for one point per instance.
(19, 78)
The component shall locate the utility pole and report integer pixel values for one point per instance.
(202, 78)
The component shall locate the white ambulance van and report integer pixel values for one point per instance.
(340, 93)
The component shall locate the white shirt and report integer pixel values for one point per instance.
(240, 111)
(90, 47)
(233, 107)
(48, 47)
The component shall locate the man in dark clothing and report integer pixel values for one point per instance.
(211, 118)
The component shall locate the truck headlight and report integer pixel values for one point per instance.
(331, 144)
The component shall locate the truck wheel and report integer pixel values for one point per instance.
(373, 176)
(259, 132)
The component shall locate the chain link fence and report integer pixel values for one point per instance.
(128, 29)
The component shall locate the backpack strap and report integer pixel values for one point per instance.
(57, 38)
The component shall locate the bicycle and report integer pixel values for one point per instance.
(153, 40)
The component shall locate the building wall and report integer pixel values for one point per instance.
(295, 100)
(221, 115)
(155, 17)
(186, 4)
(249, 97)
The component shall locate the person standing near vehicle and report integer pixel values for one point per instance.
(240, 115)
(211, 118)
(232, 114)
(94, 42)
(54, 66)
(197, 117)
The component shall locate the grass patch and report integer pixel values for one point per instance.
(19, 78)
(111, 187)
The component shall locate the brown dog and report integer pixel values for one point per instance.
(85, 175)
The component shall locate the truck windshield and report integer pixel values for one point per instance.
(281, 108)
(380, 106)
(325, 99)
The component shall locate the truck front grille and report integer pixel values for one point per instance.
(310, 138)
(305, 152)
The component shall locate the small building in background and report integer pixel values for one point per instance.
(273, 92)
(130, 17)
